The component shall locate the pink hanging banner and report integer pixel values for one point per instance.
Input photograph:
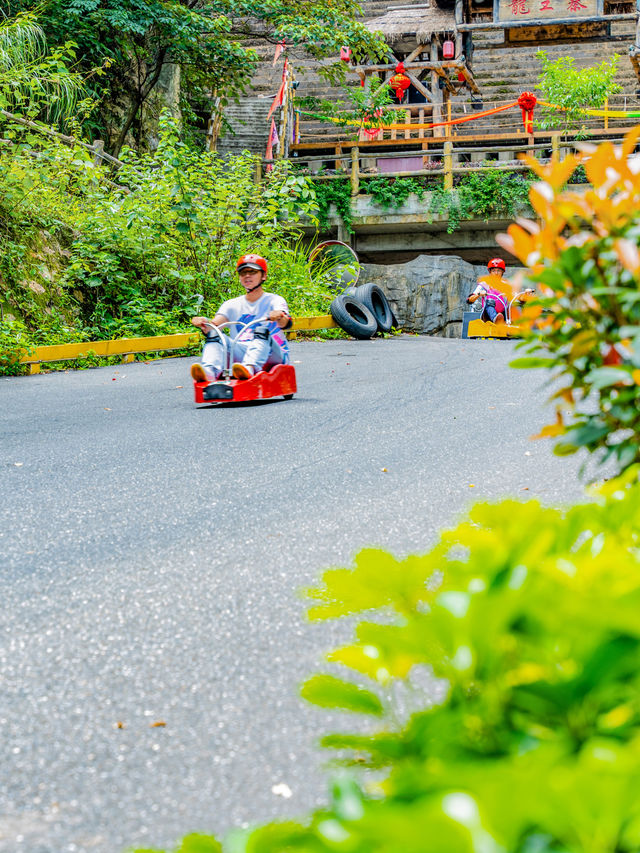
(274, 139)
(279, 48)
(279, 98)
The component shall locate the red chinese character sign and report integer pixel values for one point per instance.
(536, 10)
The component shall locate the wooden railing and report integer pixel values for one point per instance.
(313, 134)
(446, 157)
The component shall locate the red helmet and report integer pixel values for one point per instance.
(496, 264)
(252, 262)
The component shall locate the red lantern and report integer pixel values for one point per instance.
(526, 102)
(448, 49)
(345, 53)
(400, 82)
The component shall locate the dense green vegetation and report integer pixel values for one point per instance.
(574, 89)
(85, 256)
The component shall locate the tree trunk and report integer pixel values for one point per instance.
(140, 97)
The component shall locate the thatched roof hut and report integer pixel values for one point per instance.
(406, 27)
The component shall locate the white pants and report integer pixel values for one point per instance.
(262, 351)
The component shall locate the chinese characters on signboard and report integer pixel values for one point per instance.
(520, 10)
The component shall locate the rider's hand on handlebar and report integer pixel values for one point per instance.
(276, 315)
(201, 322)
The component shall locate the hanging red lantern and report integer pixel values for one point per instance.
(345, 53)
(400, 82)
(448, 49)
(527, 102)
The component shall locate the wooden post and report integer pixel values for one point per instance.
(98, 149)
(606, 114)
(282, 144)
(447, 99)
(436, 91)
(258, 175)
(459, 13)
(448, 165)
(407, 120)
(355, 171)
(421, 121)
(555, 147)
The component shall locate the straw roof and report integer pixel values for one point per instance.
(414, 24)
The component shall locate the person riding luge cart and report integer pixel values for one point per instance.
(253, 362)
(499, 306)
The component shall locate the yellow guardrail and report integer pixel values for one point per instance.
(128, 347)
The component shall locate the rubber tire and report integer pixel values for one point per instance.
(288, 396)
(374, 297)
(353, 317)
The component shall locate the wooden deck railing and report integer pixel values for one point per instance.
(445, 157)
(314, 134)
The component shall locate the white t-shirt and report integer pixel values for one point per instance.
(239, 311)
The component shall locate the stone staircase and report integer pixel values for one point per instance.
(250, 128)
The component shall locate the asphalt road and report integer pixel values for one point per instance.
(151, 555)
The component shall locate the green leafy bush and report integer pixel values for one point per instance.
(481, 195)
(334, 192)
(574, 89)
(15, 344)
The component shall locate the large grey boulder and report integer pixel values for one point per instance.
(428, 293)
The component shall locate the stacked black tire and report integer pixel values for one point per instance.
(362, 311)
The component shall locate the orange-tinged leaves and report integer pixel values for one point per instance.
(635, 375)
(628, 254)
(561, 170)
(542, 197)
(557, 172)
(630, 141)
(565, 394)
(612, 357)
(583, 343)
(552, 430)
(517, 241)
(597, 164)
